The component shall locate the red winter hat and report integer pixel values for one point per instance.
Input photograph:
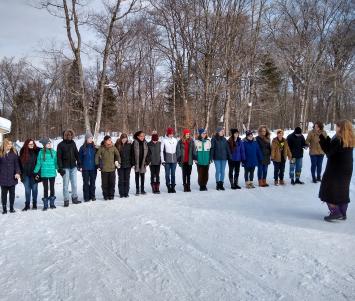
(185, 132)
(169, 131)
(155, 137)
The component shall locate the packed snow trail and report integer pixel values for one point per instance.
(261, 244)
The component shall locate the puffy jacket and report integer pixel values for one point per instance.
(180, 152)
(126, 155)
(296, 144)
(9, 167)
(237, 149)
(220, 148)
(265, 148)
(154, 153)
(253, 155)
(203, 151)
(276, 154)
(168, 150)
(106, 157)
(87, 157)
(47, 164)
(67, 154)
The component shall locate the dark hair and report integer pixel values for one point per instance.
(119, 143)
(136, 134)
(25, 150)
(320, 125)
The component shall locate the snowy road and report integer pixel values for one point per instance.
(261, 244)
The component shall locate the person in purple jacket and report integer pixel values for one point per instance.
(9, 174)
(238, 155)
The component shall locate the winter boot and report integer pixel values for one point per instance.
(232, 184)
(247, 185)
(153, 187)
(75, 201)
(334, 214)
(265, 183)
(188, 188)
(276, 182)
(173, 188)
(169, 188)
(45, 204)
(314, 180)
(319, 179)
(4, 209)
(218, 185)
(298, 181)
(251, 184)
(185, 187)
(221, 187)
(34, 205)
(293, 182)
(12, 210)
(282, 182)
(93, 199)
(143, 191)
(27, 207)
(157, 188)
(51, 202)
(343, 208)
(261, 183)
(66, 203)
(236, 184)
(137, 192)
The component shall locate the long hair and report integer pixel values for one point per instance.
(24, 152)
(3, 147)
(346, 133)
(267, 134)
(320, 125)
(44, 150)
(119, 143)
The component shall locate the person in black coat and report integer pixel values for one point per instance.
(125, 149)
(68, 163)
(9, 174)
(28, 159)
(296, 143)
(334, 188)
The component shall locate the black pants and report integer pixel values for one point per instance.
(186, 173)
(123, 180)
(89, 179)
(234, 169)
(154, 174)
(202, 171)
(7, 190)
(279, 170)
(141, 176)
(108, 182)
(249, 174)
(51, 182)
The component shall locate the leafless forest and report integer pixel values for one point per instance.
(186, 63)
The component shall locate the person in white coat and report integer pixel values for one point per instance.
(168, 158)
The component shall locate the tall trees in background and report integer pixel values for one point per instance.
(180, 63)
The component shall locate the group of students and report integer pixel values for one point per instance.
(34, 165)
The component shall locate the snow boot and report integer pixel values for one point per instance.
(261, 183)
(232, 184)
(265, 183)
(137, 192)
(334, 214)
(185, 187)
(319, 179)
(34, 205)
(45, 204)
(188, 188)
(66, 203)
(236, 184)
(282, 182)
(276, 182)
(157, 188)
(251, 184)
(173, 188)
(169, 188)
(299, 182)
(293, 182)
(314, 180)
(218, 186)
(27, 207)
(143, 191)
(221, 187)
(93, 199)
(153, 187)
(247, 185)
(75, 201)
(51, 202)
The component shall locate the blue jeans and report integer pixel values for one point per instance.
(170, 169)
(316, 166)
(220, 169)
(30, 186)
(70, 175)
(262, 171)
(89, 179)
(295, 166)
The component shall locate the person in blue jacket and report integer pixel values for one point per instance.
(220, 154)
(253, 157)
(88, 168)
(236, 146)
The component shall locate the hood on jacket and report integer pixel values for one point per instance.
(66, 134)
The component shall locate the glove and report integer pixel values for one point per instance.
(293, 160)
(36, 176)
(117, 165)
(61, 172)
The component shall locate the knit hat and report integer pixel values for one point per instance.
(185, 132)
(249, 132)
(107, 137)
(88, 135)
(233, 131)
(169, 131)
(155, 137)
(201, 131)
(219, 129)
(298, 130)
(45, 141)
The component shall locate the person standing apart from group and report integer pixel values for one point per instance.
(315, 150)
(168, 159)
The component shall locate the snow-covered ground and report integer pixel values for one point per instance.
(262, 244)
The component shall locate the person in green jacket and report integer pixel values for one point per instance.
(46, 170)
(108, 159)
(203, 158)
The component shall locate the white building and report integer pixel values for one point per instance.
(5, 127)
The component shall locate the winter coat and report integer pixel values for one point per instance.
(168, 150)
(265, 148)
(154, 153)
(9, 167)
(87, 154)
(336, 179)
(47, 167)
(180, 152)
(140, 156)
(106, 157)
(28, 167)
(276, 154)
(253, 155)
(237, 149)
(313, 142)
(203, 151)
(126, 155)
(67, 154)
(220, 148)
(296, 145)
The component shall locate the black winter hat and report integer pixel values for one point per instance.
(233, 131)
(298, 130)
